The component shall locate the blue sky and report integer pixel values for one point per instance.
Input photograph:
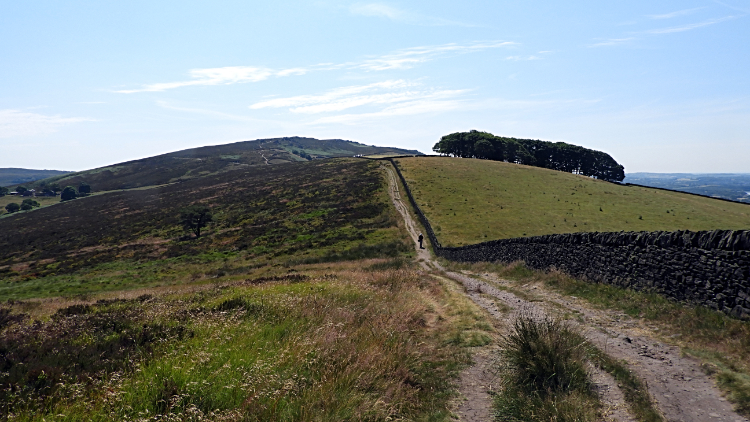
(661, 86)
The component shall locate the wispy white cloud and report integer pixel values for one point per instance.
(420, 106)
(677, 13)
(612, 41)
(745, 8)
(689, 27)
(334, 100)
(410, 57)
(393, 13)
(401, 59)
(522, 58)
(220, 76)
(380, 93)
(16, 123)
(211, 113)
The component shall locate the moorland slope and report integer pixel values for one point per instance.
(322, 210)
(470, 200)
(197, 162)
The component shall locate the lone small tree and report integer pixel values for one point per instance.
(68, 193)
(12, 207)
(195, 217)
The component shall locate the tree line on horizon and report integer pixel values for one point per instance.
(550, 155)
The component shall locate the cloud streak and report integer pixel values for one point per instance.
(675, 14)
(389, 93)
(612, 41)
(399, 15)
(398, 60)
(220, 76)
(522, 58)
(689, 27)
(16, 123)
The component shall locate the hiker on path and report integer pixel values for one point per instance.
(420, 241)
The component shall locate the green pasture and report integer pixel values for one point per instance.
(42, 200)
(469, 201)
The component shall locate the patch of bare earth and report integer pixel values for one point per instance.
(475, 385)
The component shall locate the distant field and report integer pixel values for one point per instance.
(43, 201)
(470, 201)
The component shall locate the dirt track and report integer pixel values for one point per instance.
(681, 390)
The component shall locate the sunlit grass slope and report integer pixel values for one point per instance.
(326, 345)
(469, 201)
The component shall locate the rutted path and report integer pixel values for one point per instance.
(681, 390)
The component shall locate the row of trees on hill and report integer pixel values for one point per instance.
(551, 155)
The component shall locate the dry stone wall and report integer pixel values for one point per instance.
(710, 268)
(707, 268)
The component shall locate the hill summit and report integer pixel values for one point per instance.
(197, 162)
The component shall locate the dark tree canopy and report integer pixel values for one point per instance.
(68, 193)
(29, 203)
(550, 155)
(84, 188)
(21, 190)
(12, 207)
(4, 191)
(195, 217)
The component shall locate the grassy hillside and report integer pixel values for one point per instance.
(470, 201)
(16, 176)
(265, 216)
(197, 162)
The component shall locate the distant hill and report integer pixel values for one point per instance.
(16, 176)
(469, 201)
(732, 186)
(198, 162)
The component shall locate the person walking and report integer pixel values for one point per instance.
(420, 241)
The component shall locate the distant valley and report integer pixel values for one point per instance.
(16, 176)
(732, 186)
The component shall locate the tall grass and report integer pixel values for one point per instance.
(356, 345)
(544, 375)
